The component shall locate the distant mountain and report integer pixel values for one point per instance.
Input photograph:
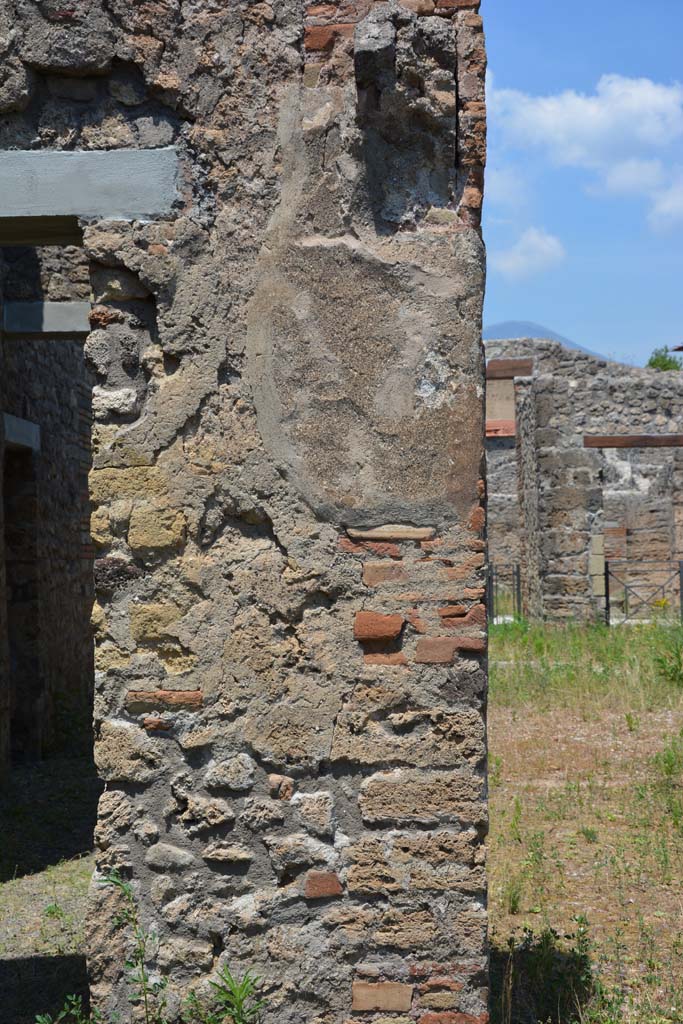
(527, 329)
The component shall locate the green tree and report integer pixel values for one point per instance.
(663, 359)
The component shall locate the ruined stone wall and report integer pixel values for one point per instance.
(506, 540)
(619, 502)
(287, 462)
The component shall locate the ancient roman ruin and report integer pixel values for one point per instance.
(241, 386)
(585, 465)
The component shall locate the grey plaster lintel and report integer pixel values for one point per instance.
(114, 184)
(21, 433)
(393, 531)
(46, 318)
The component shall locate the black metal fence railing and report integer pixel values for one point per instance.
(642, 591)
(504, 593)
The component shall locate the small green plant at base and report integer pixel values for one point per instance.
(146, 991)
(589, 834)
(71, 1013)
(235, 1001)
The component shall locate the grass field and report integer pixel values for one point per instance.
(586, 841)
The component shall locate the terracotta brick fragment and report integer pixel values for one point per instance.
(395, 658)
(323, 37)
(440, 650)
(418, 623)
(381, 572)
(449, 984)
(321, 11)
(381, 548)
(155, 725)
(322, 885)
(375, 626)
(435, 651)
(382, 995)
(175, 700)
(453, 611)
(470, 643)
(431, 545)
(476, 616)
(477, 519)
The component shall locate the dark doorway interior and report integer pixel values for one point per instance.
(48, 785)
(27, 711)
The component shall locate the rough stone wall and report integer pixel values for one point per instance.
(505, 534)
(581, 496)
(287, 461)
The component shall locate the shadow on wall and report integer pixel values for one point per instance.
(47, 814)
(37, 984)
(407, 114)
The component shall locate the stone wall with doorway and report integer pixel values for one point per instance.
(287, 463)
(580, 505)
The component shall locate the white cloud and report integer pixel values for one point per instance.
(534, 252)
(623, 115)
(667, 206)
(634, 177)
(629, 133)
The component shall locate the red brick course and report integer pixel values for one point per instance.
(440, 650)
(174, 700)
(323, 37)
(375, 626)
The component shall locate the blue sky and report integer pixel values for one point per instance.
(584, 207)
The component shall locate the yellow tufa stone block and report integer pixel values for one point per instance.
(98, 619)
(149, 622)
(109, 656)
(100, 528)
(133, 482)
(156, 529)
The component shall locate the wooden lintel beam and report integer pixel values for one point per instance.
(633, 441)
(507, 369)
